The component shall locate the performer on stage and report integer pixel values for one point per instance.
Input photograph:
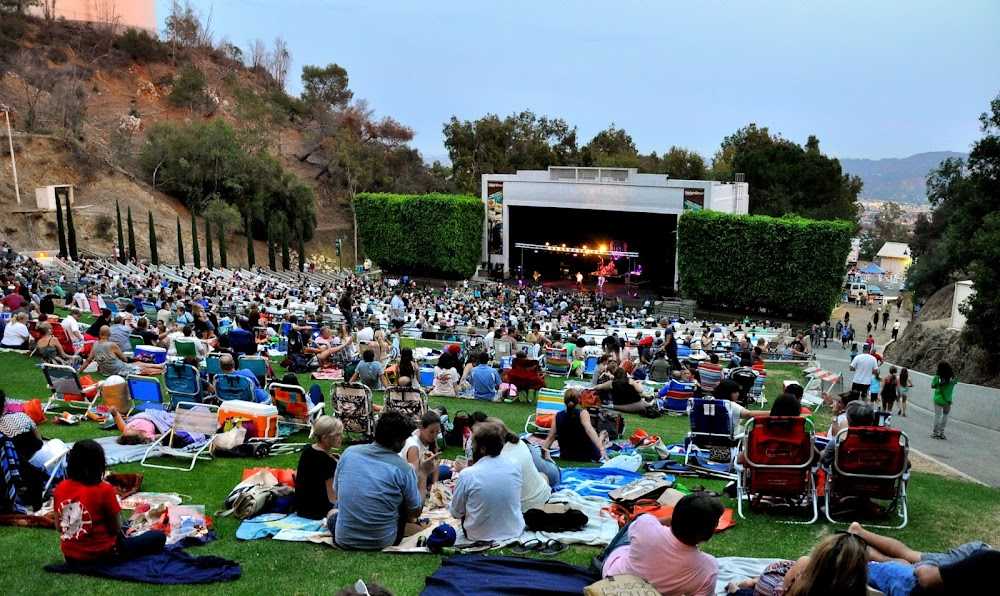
(579, 281)
(600, 284)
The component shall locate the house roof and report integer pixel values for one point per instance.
(895, 250)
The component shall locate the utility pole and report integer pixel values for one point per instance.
(13, 162)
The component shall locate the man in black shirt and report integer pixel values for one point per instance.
(46, 304)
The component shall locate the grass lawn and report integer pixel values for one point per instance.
(943, 512)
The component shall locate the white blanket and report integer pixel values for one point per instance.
(737, 569)
(599, 530)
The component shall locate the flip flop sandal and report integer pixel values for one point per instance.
(529, 546)
(480, 546)
(553, 547)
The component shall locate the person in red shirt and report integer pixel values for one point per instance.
(88, 515)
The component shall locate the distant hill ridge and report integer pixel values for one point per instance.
(899, 180)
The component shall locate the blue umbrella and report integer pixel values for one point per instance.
(872, 268)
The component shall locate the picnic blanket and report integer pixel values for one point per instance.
(463, 575)
(172, 566)
(115, 454)
(330, 374)
(599, 529)
(737, 569)
(595, 482)
(272, 524)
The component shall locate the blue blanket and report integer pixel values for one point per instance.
(463, 575)
(270, 524)
(171, 566)
(595, 482)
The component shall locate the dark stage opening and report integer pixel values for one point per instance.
(652, 235)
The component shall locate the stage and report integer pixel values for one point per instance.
(613, 289)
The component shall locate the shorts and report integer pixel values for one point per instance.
(861, 389)
(397, 323)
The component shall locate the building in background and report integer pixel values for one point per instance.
(122, 14)
(894, 257)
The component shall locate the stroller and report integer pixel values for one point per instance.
(745, 377)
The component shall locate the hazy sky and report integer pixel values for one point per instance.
(888, 78)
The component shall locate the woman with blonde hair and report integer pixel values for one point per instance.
(384, 350)
(837, 566)
(315, 496)
(50, 350)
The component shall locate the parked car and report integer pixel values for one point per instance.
(875, 291)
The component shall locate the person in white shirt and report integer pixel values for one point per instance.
(398, 309)
(15, 334)
(863, 365)
(72, 325)
(423, 441)
(366, 335)
(535, 489)
(80, 300)
(487, 496)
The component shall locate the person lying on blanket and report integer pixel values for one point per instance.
(88, 515)
(140, 428)
(664, 551)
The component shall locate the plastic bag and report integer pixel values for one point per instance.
(231, 438)
(631, 463)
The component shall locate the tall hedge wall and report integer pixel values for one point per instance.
(787, 266)
(433, 234)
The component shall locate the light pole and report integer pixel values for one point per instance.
(13, 163)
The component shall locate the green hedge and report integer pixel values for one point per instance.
(433, 234)
(786, 266)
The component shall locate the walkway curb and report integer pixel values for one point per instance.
(950, 469)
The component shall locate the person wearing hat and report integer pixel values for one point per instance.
(863, 365)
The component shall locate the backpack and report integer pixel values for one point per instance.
(252, 500)
(461, 424)
(609, 421)
(294, 341)
(300, 363)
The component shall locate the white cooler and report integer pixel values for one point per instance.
(264, 416)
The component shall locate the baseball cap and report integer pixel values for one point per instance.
(442, 536)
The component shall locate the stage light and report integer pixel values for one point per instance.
(546, 244)
(564, 245)
(604, 248)
(574, 255)
(584, 247)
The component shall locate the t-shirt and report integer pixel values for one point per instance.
(72, 327)
(657, 556)
(13, 301)
(863, 365)
(487, 499)
(315, 469)
(15, 334)
(484, 380)
(82, 514)
(369, 373)
(444, 381)
(398, 307)
(366, 335)
(375, 490)
(535, 491)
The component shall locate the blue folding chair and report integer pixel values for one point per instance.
(145, 393)
(589, 365)
(234, 387)
(183, 383)
(711, 428)
(212, 366)
(111, 304)
(257, 365)
(242, 341)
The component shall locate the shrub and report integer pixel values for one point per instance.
(189, 89)
(433, 234)
(788, 265)
(141, 46)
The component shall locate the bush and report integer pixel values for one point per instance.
(141, 46)
(788, 265)
(189, 88)
(433, 234)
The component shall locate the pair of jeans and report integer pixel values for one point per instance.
(128, 548)
(941, 417)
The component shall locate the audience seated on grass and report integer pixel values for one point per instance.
(370, 372)
(17, 428)
(446, 377)
(627, 395)
(112, 361)
(485, 379)
(315, 496)
(573, 428)
(535, 489)
(228, 366)
(422, 444)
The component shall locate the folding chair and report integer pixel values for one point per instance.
(557, 362)
(757, 391)
(232, 386)
(134, 341)
(183, 383)
(293, 405)
(550, 403)
(66, 388)
(95, 308)
(149, 310)
(589, 365)
(709, 376)
(241, 341)
(212, 364)
(112, 305)
(530, 349)
(870, 462)
(194, 420)
(408, 401)
(502, 349)
(353, 405)
(779, 461)
(675, 398)
(145, 393)
(257, 365)
(62, 336)
(711, 429)
(185, 347)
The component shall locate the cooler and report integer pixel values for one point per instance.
(153, 354)
(427, 376)
(264, 416)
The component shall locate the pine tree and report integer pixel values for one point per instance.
(209, 251)
(153, 256)
(131, 236)
(222, 246)
(302, 246)
(194, 241)
(251, 257)
(70, 231)
(121, 240)
(60, 229)
(270, 248)
(286, 258)
(180, 243)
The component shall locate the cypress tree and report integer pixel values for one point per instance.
(194, 241)
(302, 246)
(180, 243)
(251, 257)
(60, 229)
(222, 246)
(286, 258)
(153, 256)
(70, 231)
(121, 241)
(270, 248)
(131, 236)
(209, 251)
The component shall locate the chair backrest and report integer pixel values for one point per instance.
(405, 400)
(710, 376)
(112, 306)
(530, 349)
(550, 401)
(196, 418)
(589, 365)
(502, 348)
(185, 347)
(183, 382)
(212, 364)
(63, 379)
(779, 441)
(95, 308)
(242, 341)
(710, 417)
(234, 387)
(290, 400)
(255, 364)
(149, 309)
(352, 403)
(145, 393)
(62, 336)
(556, 353)
(135, 341)
(872, 451)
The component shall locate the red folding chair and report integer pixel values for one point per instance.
(871, 462)
(778, 462)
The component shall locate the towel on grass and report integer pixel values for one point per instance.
(595, 482)
(115, 454)
(462, 575)
(169, 567)
(271, 524)
(599, 530)
(737, 569)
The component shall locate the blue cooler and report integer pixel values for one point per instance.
(427, 376)
(152, 354)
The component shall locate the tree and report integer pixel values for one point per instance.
(17, 6)
(279, 61)
(251, 257)
(683, 164)
(326, 85)
(271, 263)
(286, 260)
(222, 247)
(189, 89)
(225, 216)
(300, 232)
(60, 228)
(153, 255)
(612, 147)
(132, 254)
(982, 311)
(209, 251)
(180, 243)
(71, 231)
(887, 226)
(121, 238)
(196, 256)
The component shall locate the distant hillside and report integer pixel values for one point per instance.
(899, 180)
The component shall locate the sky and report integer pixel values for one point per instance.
(871, 79)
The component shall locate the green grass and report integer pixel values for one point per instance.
(943, 512)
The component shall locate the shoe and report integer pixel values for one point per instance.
(937, 436)
(942, 437)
